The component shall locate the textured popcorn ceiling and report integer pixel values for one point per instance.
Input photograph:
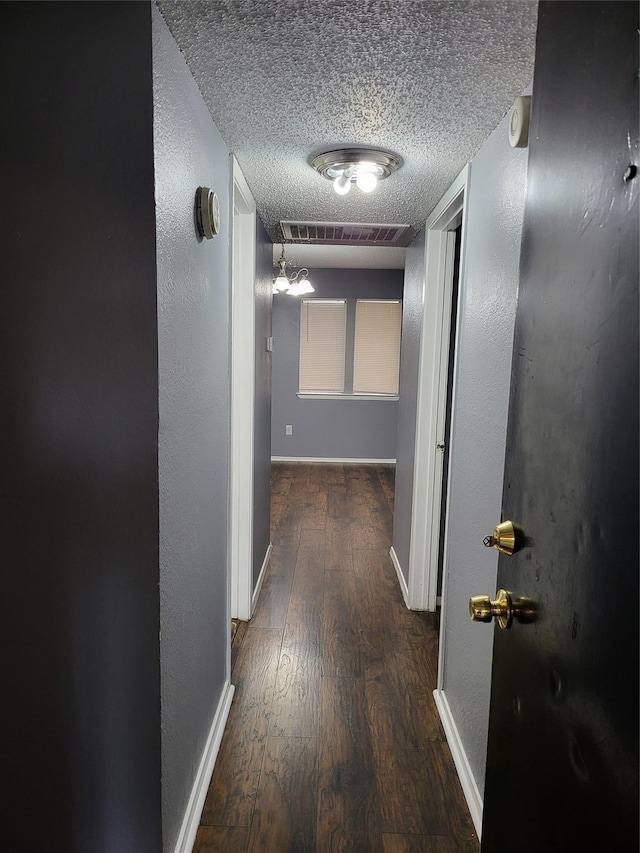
(285, 81)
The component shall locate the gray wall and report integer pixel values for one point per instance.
(344, 429)
(193, 342)
(262, 411)
(408, 403)
(486, 319)
(80, 714)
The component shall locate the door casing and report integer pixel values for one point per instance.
(243, 253)
(422, 584)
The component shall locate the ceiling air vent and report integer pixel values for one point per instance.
(346, 233)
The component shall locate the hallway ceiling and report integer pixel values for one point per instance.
(287, 80)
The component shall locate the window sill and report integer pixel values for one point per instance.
(306, 395)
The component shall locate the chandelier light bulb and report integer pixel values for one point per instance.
(301, 287)
(305, 286)
(342, 184)
(366, 181)
(280, 284)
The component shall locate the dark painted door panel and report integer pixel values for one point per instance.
(562, 768)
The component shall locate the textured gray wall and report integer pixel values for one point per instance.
(486, 319)
(193, 343)
(350, 429)
(80, 713)
(408, 403)
(262, 411)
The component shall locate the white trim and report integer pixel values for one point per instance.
(192, 814)
(333, 460)
(310, 395)
(242, 393)
(261, 577)
(467, 780)
(445, 563)
(432, 392)
(401, 580)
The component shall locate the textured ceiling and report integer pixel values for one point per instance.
(286, 80)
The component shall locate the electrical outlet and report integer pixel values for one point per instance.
(288, 430)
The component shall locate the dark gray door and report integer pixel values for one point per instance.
(562, 770)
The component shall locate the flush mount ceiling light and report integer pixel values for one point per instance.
(363, 167)
(291, 284)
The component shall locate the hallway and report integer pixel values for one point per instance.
(333, 742)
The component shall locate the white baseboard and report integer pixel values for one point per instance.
(469, 786)
(261, 576)
(401, 580)
(193, 811)
(331, 460)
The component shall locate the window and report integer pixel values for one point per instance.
(350, 347)
(323, 327)
(376, 349)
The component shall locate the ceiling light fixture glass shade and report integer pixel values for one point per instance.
(281, 283)
(363, 166)
(300, 288)
(295, 284)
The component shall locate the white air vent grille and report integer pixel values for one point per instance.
(346, 233)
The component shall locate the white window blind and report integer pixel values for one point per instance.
(376, 355)
(323, 325)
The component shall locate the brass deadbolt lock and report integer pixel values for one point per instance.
(507, 538)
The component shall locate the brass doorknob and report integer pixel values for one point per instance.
(507, 538)
(504, 608)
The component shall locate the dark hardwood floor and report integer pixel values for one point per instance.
(333, 741)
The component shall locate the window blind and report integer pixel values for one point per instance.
(376, 356)
(323, 324)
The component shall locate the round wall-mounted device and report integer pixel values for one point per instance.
(519, 122)
(207, 212)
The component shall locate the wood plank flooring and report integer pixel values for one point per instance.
(333, 742)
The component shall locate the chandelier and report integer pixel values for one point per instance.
(293, 284)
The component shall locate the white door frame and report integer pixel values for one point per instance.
(243, 253)
(432, 392)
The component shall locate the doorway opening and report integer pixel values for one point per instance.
(444, 252)
(242, 397)
(453, 325)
